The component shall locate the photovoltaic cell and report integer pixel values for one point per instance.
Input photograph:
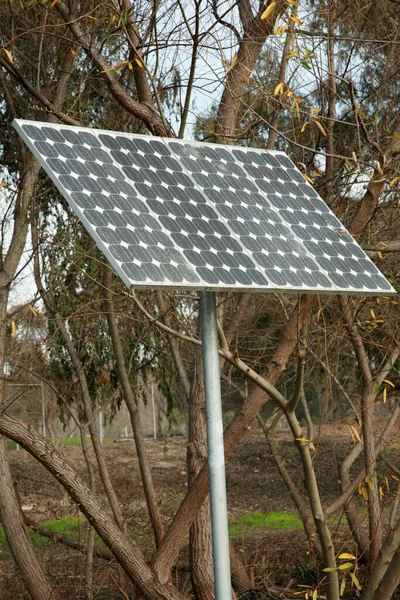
(172, 213)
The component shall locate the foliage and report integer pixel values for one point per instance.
(317, 80)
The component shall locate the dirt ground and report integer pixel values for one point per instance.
(278, 557)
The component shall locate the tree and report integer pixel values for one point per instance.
(337, 117)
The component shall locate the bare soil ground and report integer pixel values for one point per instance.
(277, 556)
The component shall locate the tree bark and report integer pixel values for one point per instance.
(375, 186)
(148, 487)
(20, 544)
(391, 579)
(166, 556)
(367, 423)
(125, 549)
(256, 31)
(356, 528)
(144, 112)
(80, 372)
(290, 484)
(388, 559)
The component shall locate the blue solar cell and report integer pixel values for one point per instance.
(173, 213)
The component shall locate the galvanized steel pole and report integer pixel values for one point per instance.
(215, 443)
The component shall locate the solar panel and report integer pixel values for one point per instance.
(171, 213)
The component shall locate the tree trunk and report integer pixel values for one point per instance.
(367, 422)
(148, 487)
(20, 544)
(166, 555)
(391, 579)
(125, 550)
(256, 31)
(386, 560)
(81, 375)
(18, 540)
(292, 488)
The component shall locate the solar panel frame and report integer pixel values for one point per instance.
(132, 163)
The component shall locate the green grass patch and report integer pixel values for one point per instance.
(70, 526)
(248, 525)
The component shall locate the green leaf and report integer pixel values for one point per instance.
(342, 586)
(305, 65)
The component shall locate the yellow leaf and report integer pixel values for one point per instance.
(313, 108)
(352, 434)
(281, 29)
(93, 18)
(33, 310)
(319, 313)
(384, 397)
(355, 581)
(139, 62)
(119, 64)
(304, 127)
(347, 555)
(309, 179)
(297, 20)
(295, 106)
(314, 595)
(13, 328)
(53, 3)
(394, 180)
(73, 52)
(268, 11)
(389, 383)
(316, 173)
(289, 93)
(130, 66)
(9, 55)
(373, 315)
(354, 156)
(293, 53)
(371, 484)
(318, 124)
(303, 441)
(355, 432)
(233, 63)
(3, 184)
(278, 89)
(362, 490)
(381, 494)
(380, 255)
(345, 566)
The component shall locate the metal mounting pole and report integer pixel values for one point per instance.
(43, 413)
(153, 408)
(215, 443)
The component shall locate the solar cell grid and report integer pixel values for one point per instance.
(173, 213)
